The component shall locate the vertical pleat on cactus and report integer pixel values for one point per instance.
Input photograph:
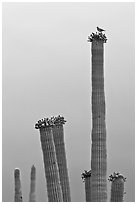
(32, 194)
(86, 176)
(98, 149)
(18, 191)
(58, 135)
(50, 161)
(117, 187)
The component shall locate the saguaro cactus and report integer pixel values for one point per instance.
(117, 187)
(18, 192)
(50, 160)
(86, 176)
(98, 150)
(58, 135)
(32, 195)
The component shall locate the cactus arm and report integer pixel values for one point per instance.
(117, 187)
(86, 176)
(18, 192)
(32, 195)
(50, 161)
(58, 136)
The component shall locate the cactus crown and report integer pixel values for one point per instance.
(97, 36)
(116, 175)
(85, 174)
(50, 122)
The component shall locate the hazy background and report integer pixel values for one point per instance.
(47, 71)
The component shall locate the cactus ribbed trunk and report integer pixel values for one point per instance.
(98, 151)
(32, 195)
(51, 167)
(88, 189)
(58, 135)
(18, 192)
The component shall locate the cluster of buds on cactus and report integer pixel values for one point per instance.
(116, 175)
(49, 122)
(85, 174)
(97, 36)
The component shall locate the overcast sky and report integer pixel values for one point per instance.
(47, 71)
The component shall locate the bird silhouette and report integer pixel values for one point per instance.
(100, 29)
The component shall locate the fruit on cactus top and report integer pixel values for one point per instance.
(116, 175)
(49, 122)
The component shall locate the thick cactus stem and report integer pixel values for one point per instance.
(32, 195)
(98, 150)
(50, 160)
(86, 176)
(117, 187)
(58, 135)
(18, 192)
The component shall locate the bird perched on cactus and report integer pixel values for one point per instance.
(100, 29)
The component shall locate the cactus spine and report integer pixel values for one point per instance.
(58, 135)
(18, 192)
(98, 151)
(86, 176)
(117, 187)
(50, 161)
(32, 195)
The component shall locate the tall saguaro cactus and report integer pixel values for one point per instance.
(117, 187)
(32, 195)
(18, 191)
(98, 150)
(86, 176)
(58, 135)
(50, 161)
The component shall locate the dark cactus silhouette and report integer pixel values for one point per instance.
(98, 150)
(18, 191)
(117, 187)
(32, 194)
(50, 161)
(86, 176)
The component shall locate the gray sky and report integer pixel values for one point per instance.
(46, 72)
